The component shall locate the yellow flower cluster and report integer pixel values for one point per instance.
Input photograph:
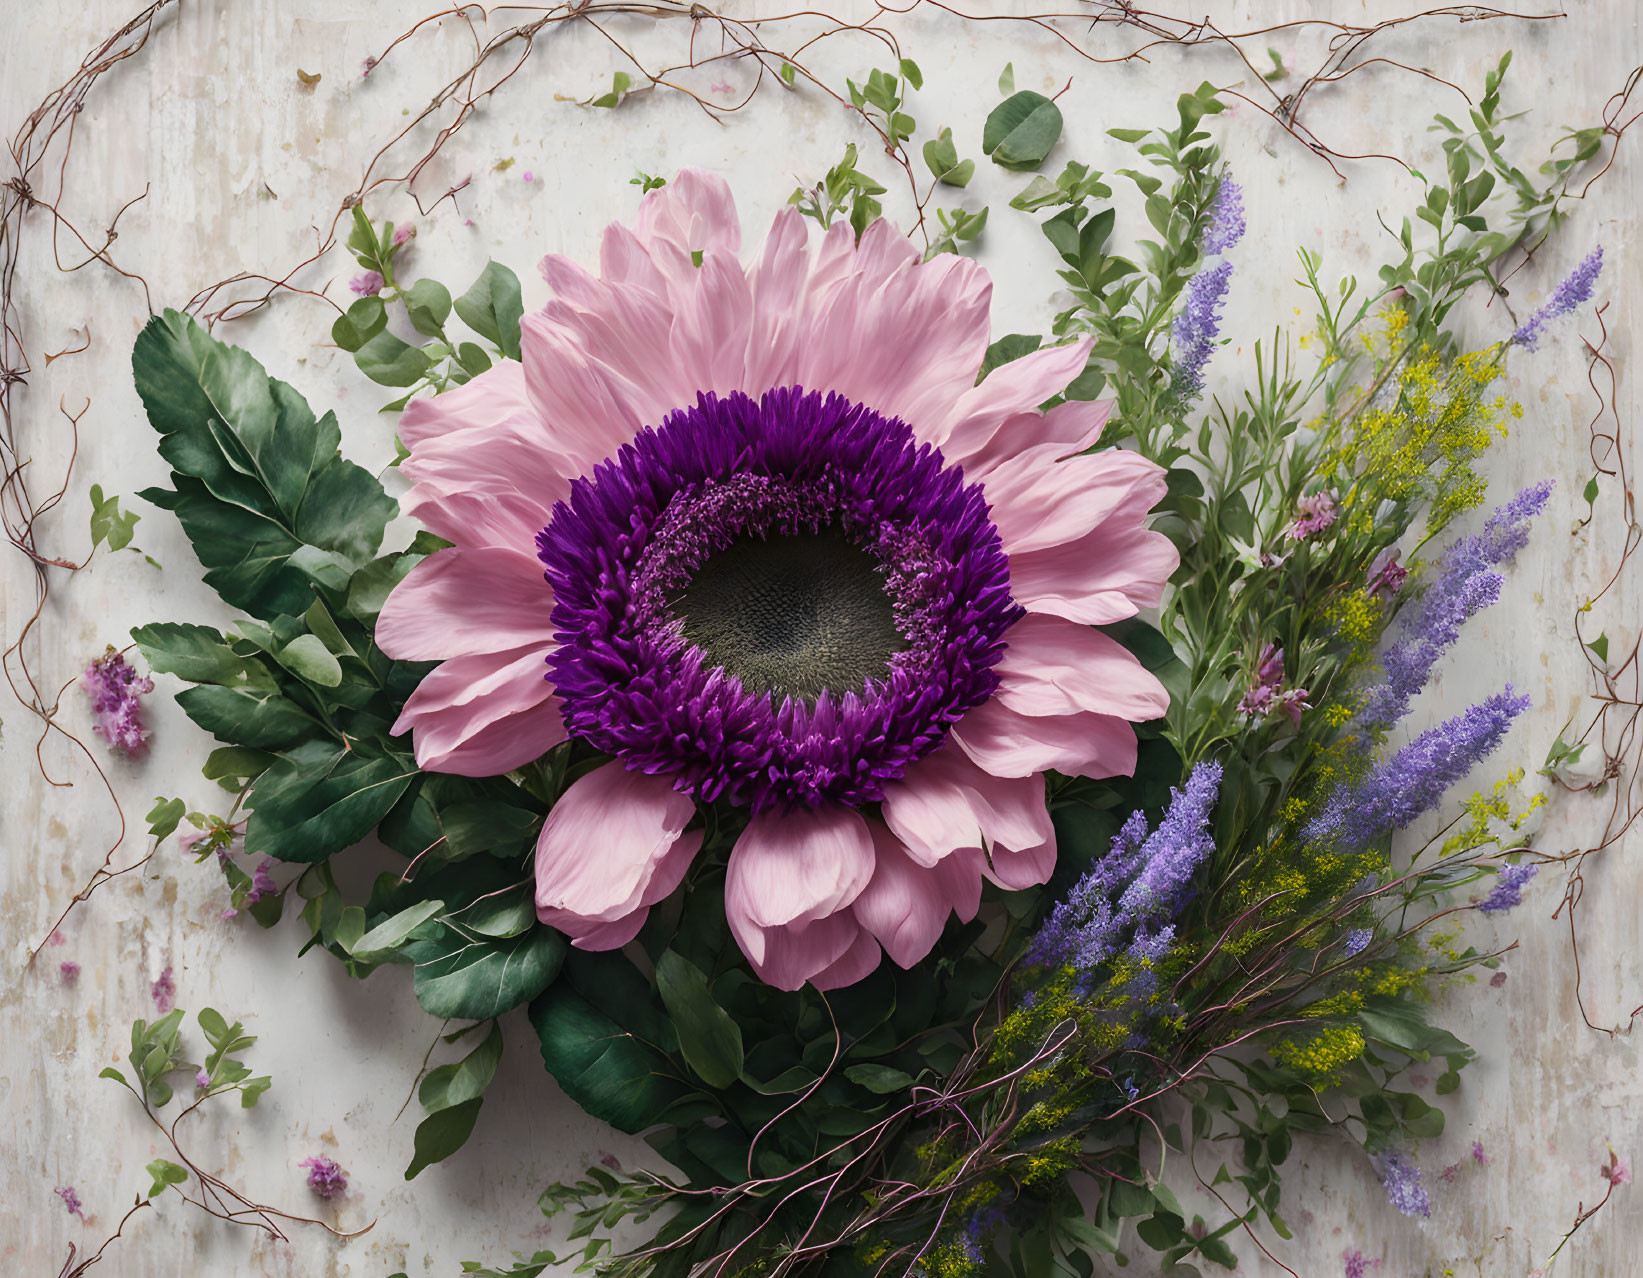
(1323, 1054)
(1486, 810)
(1424, 444)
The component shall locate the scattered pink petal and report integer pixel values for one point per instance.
(368, 66)
(71, 1200)
(69, 970)
(56, 938)
(1478, 1156)
(325, 1177)
(1617, 1171)
(1498, 979)
(164, 991)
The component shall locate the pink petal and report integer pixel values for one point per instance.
(833, 949)
(1070, 427)
(694, 211)
(906, 904)
(483, 715)
(1025, 869)
(1038, 501)
(855, 964)
(1008, 390)
(467, 603)
(1105, 576)
(591, 410)
(1056, 667)
(797, 867)
(1008, 744)
(606, 840)
(946, 803)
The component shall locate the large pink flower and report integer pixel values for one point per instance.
(798, 565)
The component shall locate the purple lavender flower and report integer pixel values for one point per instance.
(1399, 789)
(325, 1177)
(1318, 512)
(1465, 585)
(368, 284)
(1197, 326)
(1149, 874)
(114, 687)
(1226, 219)
(1402, 1181)
(71, 1200)
(1508, 889)
(1574, 292)
(1357, 941)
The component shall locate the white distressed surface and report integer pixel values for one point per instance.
(212, 115)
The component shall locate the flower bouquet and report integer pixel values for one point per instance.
(938, 786)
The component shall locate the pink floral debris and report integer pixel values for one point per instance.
(69, 970)
(1617, 1171)
(1317, 513)
(325, 1177)
(114, 687)
(1478, 1156)
(164, 991)
(1357, 1264)
(71, 1200)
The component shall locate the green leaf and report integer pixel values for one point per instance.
(307, 657)
(1600, 647)
(360, 323)
(249, 716)
(608, 1071)
(196, 653)
(1008, 349)
(1006, 79)
(164, 1173)
(320, 798)
(1021, 130)
(879, 1079)
(620, 83)
(463, 1080)
(164, 816)
(258, 485)
(1128, 135)
(442, 1133)
(428, 303)
(709, 1040)
(381, 942)
(389, 361)
(108, 522)
(476, 980)
(493, 307)
(911, 73)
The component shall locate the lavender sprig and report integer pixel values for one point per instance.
(1466, 584)
(1150, 875)
(1401, 1179)
(1573, 292)
(1411, 782)
(1508, 889)
(1197, 327)
(1226, 219)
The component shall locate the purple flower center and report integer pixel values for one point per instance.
(780, 602)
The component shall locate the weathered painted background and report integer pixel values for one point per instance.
(242, 162)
